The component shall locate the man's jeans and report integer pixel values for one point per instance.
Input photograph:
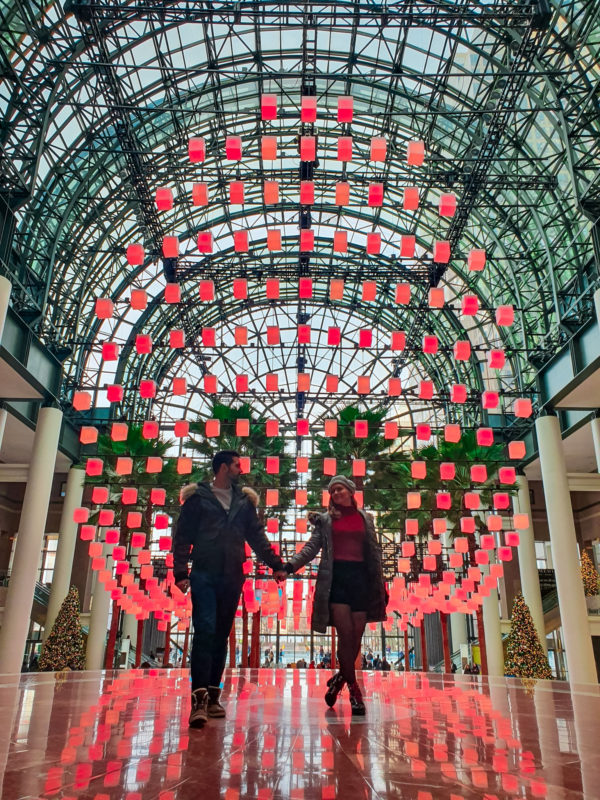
(214, 603)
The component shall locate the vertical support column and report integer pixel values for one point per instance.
(5, 290)
(19, 598)
(94, 653)
(67, 538)
(3, 418)
(595, 424)
(458, 630)
(493, 634)
(530, 581)
(571, 599)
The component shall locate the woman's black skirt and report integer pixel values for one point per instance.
(349, 585)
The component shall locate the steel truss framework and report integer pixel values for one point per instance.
(100, 98)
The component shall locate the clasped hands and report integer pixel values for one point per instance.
(280, 575)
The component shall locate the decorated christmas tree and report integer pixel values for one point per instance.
(589, 576)
(525, 656)
(63, 649)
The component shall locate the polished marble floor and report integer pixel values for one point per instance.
(124, 736)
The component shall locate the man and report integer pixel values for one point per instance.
(216, 520)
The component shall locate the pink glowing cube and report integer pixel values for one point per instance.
(164, 198)
(236, 193)
(268, 148)
(402, 294)
(490, 399)
(272, 382)
(423, 432)
(135, 255)
(114, 393)
(240, 241)
(345, 109)
(516, 450)
(441, 252)
(472, 501)
(430, 344)
(469, 305)
(308, 148)
(507, 475)
(143, 343)
(485, 437)
(344, 148)
(436, 297)
(233, 148)
(447, 206)
(415, 153)
(505, 316)
(447, 471)
(452, 433)
(410, 198)
(462, 350)
(176, 339)
(476, 260)
(361, 429)
(458, 393)
(398, 340)
(179, 386)
(205, 242)
(407, 246)
(88, 435)
(375, 197)
(196, 149)
(200, 194)
(268, 106)
(496, 359)
(342, 193)
(378, 149)
(308, 109)
(307, 241)
(104, 308)
(363, 384)
(479, 473)
(147, 389)
(110, 351)
(522, 407)
(150, 429)
(170, 246)
(394, 387)
(373, 243)
(172, 293)
(426, 390)
(340, 243)
(418, 470)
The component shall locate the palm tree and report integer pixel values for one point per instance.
(257, 446)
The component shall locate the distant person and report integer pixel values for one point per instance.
(350, 589)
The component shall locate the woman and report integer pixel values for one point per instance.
(350, 589)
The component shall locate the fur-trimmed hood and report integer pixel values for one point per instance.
(187, 491)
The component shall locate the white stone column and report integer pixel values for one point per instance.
(5, 290)
(458, 627)
(3, 418)
(96, 642)
(19, 597)
(595, 424)
(571, 599)
(493, 634)
(67, 539)
(597, 304)
(530, 581)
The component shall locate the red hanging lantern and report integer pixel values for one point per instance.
(304, 334)
(176, 339)
(179, 387)
(135, 255)
(415, 153)
(342, 193)
(303, 382)
(430, 344)
(150, 429)
(205, 242)
(273, 335)
(302, 428)
(458, 393)
(196, 150)
(170, 246)
(426, 390)
(469, 305)
(361, 429)
(172, 293)
(308, 148)
(447, 471)
(164, 199)
(329, 466)
(240, 241)
(496, 359)
(212, 428)
(522, 407)
(307, 192)
(394, 387)
(305, 288)
(241, 335)
(272, 288)
(271, 192)
(517, 450)
(233, 148)
(462, 350)
(206, 290)
(236, 193)
(479, 473)
(375, 196)
(331, 383)
(418, 470)
(340, 244)
(88, 435)
(391, 429)
(407, 246)
(410, 199)
(124, 465)
(307, 241)
(363, 384)
(452, 433)
(436, 297)
(114, 393)
(104, 308)
(330, 428)
(489, 399)
(447, 206)
(210, 384)
(344, 148)
(200, 194)
(476, 260)
(272, 382)
(147, 389)
(345, 109)
(373, 243)
(138, 299)
(274, 240)
(143, 344)
(378, 149)
(365, 337)
(485, 437)
(441, 252)
(208, 337)
(308, 108)
(505, 316)
(402, 294)
(369, 291)
(268, 148)
(268, 106)
(272, 465)
(241, 384)
(110, 351)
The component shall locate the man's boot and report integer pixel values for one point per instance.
(215, 709)
(199, 712)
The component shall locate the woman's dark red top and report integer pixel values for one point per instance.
(348, 535)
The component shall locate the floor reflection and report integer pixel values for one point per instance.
(124, 736)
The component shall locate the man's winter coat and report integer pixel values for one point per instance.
(217, 536)
(321, 539)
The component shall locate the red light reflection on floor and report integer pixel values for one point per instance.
(124, 736)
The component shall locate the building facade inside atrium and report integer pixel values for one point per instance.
(356, 239)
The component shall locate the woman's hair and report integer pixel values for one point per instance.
(334, 511)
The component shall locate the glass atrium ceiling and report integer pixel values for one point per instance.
(99, 100)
